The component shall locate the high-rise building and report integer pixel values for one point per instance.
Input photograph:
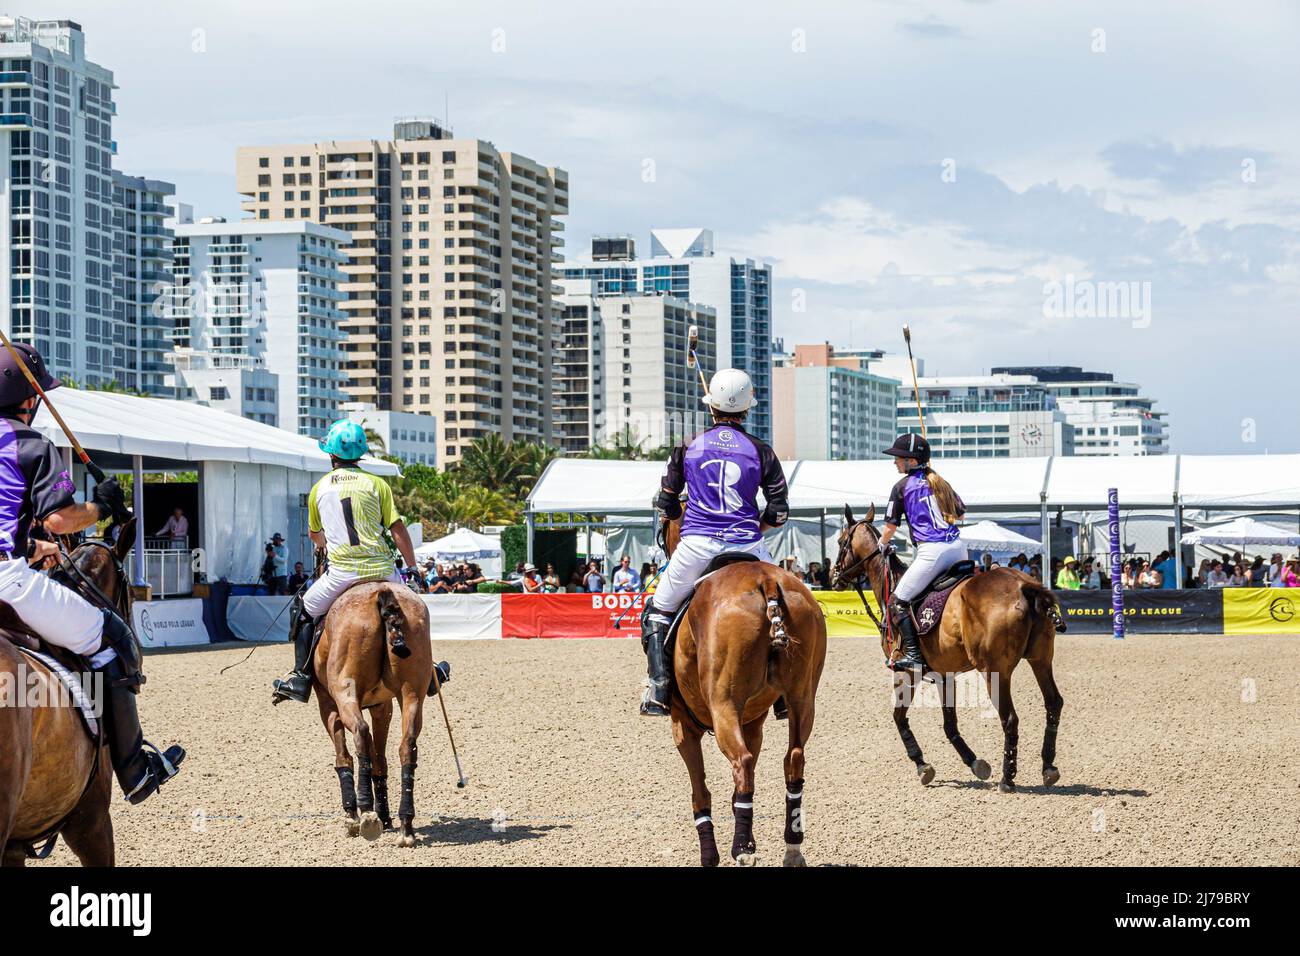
(449, 288)
(683, 264)
(1109, 417)
(259, 295)
(578, 378)
(650, 395)
(142, 257)
(986, 416)
(829, 406)
(56, 183)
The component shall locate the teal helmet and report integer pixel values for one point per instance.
(346, 440)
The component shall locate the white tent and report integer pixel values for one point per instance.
(992, 537)
(466, 545)
(1242, 531)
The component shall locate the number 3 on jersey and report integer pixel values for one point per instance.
(728, 476)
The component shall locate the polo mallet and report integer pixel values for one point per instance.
(320, 567)
(94, 469)
(692, 361)
(618, 621)
(916, 388)
(461, 779)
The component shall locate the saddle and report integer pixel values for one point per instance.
(65, 666)
(927, 607)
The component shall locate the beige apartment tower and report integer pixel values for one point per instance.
(449, 289)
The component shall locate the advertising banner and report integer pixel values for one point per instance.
(845, 616)
(170, 623)
(1261, 610)
(463, 617)
(1154, 611)
(571, 615)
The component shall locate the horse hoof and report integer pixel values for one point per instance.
(926, 773)
(1050, 776)
(351, 827)
(1005, 787)
(794, 857)
(408, 839)
(387, 822)
(746, 859)
(981, 769)
(370, 826)
(708, 860)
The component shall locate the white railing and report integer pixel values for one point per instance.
(167, 570)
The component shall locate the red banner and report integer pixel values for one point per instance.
(571, 615)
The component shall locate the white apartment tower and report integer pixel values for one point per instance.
(578, 378)
(142, 257)
(449, 288)
(261, 297)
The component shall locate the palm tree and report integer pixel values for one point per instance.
(509, 468)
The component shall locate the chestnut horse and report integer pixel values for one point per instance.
(753, 633)
(54, 781)
(374, 649)
(992, 621)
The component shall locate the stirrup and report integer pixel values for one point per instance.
(162, 765)
(651, 706)
(288, 688)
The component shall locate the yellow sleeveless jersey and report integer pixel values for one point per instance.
(354, 508)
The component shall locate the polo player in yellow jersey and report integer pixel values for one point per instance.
(347, 513)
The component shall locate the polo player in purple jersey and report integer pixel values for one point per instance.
(35, 489)
(723, 470)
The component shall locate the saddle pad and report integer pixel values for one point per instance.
(930, 611)
(74, 687)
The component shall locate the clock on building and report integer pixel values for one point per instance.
(1031, 434)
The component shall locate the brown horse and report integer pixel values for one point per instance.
(992, 621)
(359, 665)
(753, 633)
(53, 780)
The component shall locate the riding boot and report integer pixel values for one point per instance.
(441, 674)
(296, 685)
(140, 767)
(905, 628)
(654, 639)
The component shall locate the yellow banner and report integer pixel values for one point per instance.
(1261, 610)
(845, 616)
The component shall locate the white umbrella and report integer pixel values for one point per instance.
(1242, 531)
(991, 536)
(465, 545)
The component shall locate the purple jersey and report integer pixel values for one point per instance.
(723, 469)
(913, 500)
(33, 483)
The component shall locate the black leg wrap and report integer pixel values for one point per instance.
(794, 812)
(365, 786)
(348, 789)
(742, 808)
(708, 845)
(406, 809)
(381, 801)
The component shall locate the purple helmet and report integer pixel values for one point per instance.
(14, 387)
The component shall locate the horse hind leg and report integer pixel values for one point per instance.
(343, 765)
(1000, 693)
(904, 688)
(412, 719)
(741, 746)
(801, 721)
(980, 768)
(1054, 703)
(688, 739)
(381, 718)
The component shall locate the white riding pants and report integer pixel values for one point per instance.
(57, 613)
(326, 589)
(932, 559)
(687, 564)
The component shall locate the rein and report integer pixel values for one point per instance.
(858, 570)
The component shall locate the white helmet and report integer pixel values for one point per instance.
(731, 391)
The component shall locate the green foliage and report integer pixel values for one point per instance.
(514, 547)
(626, 446)
(439, 501)
(511, 468)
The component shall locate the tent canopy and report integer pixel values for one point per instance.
(1200, 481)
(990, 536)
(1242, 531)
(461, 545)
(172, 432)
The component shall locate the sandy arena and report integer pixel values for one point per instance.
(1174, 750)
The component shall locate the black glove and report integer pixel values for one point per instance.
(110, 500)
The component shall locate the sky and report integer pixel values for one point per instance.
(982, 170)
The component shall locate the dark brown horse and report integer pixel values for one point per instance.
(992, 621)
(753, 633)
(359, 667)
(53, 779)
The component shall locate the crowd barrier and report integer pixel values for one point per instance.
(495, 616)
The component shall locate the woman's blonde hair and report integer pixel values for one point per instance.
(944, 495)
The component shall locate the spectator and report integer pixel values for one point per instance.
(1131, 575)
(1035, 567)
(1166, 566)
(986, 562)
(1203, 574)
(437, 580)
(471, 577)
(1150, 578)
(576, 585)
(280, 557)
(650, 580)
(298, 578)
(1020, 563)
(532, 584)
(625, 579)
(1216, 578)
(267, 573)
(551, 582)
(1291, 576)
(1238, 577)
(177, 528)
(1276, 576)
(1257, 572)
(1067, 579)
(594, 582)
(1091, 578)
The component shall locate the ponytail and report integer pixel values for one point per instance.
(949, 504)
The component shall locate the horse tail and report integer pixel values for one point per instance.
(777, 613)
(390, 612)
(1041, 602)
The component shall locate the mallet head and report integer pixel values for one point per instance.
(692, 342)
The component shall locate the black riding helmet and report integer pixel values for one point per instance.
(910, 445)
(14, 386)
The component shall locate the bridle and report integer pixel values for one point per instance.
(856, 574)
(81, 581)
